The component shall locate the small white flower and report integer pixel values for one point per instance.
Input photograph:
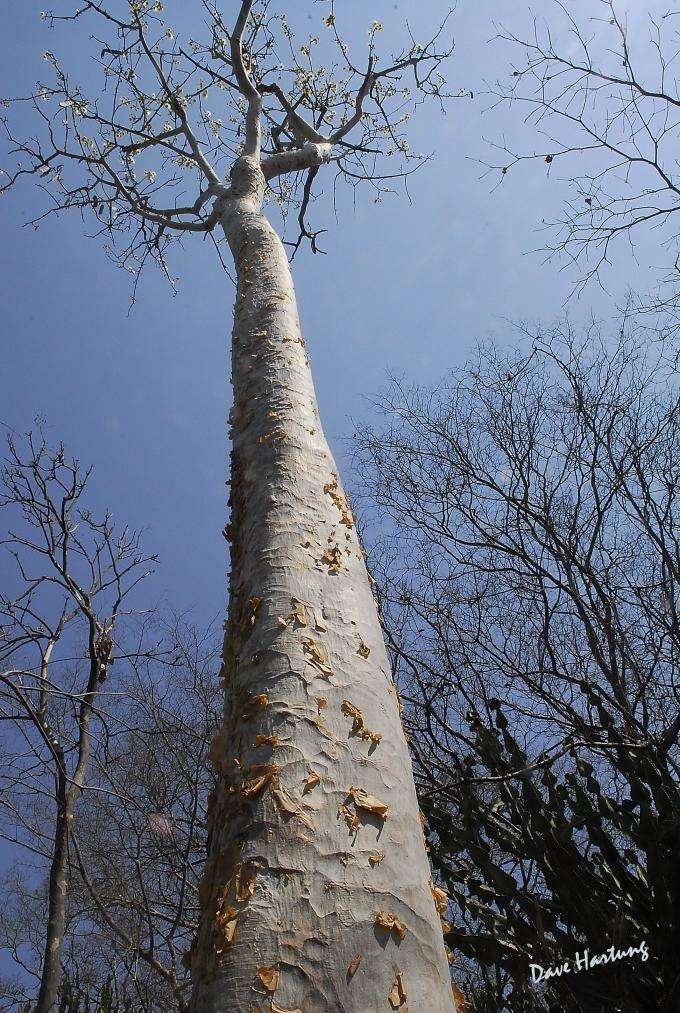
(150, 175)
(169, 34)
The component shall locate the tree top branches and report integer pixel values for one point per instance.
(148, 156)
(605, 103)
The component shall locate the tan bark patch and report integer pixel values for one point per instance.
(299, 612)
(274, 436)
(369, 803)
(359, 728)
(363, 650)
(288, 805)
(332, 489)
(352, 969)
(318, 655)
(261, 700)
(245, 883)
(225, 928)
(461, 1002)
(267, 740)
(311, 781)
(440, 898)
(376, 858)
(269, 976)
(388, 920)
(398, 996)
(332, 558)
(252, 609)
(263, 775)
(350, 818)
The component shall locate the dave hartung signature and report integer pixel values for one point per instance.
(585, 962)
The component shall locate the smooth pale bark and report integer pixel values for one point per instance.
(291, 890)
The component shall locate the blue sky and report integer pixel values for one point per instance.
(405, 288)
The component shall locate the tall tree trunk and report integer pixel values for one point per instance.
(315, 831)
(58, 892)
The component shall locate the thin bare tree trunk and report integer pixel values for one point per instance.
(66, 797)
(58, 892)
(315, 830)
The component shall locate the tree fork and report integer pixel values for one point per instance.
(317, 895)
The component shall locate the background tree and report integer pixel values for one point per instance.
(317, 857)
(606, 107)
(528, 570)
(140, 854)
(74, 575)
(138, 849)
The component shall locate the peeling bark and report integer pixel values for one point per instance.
(315, 828)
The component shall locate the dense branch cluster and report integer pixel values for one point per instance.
(148, 156)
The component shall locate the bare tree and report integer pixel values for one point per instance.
(606, 108)
(138, 850)
(317, 893)
(529, 570)
(59, 616)
(141, 853)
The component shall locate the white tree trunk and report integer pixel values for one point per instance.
(302, 862)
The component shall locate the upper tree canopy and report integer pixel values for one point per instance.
(147, 157)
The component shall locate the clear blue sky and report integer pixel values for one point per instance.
(406, 288)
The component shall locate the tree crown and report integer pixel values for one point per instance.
(149, 156)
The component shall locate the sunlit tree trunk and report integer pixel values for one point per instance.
(317, 894)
